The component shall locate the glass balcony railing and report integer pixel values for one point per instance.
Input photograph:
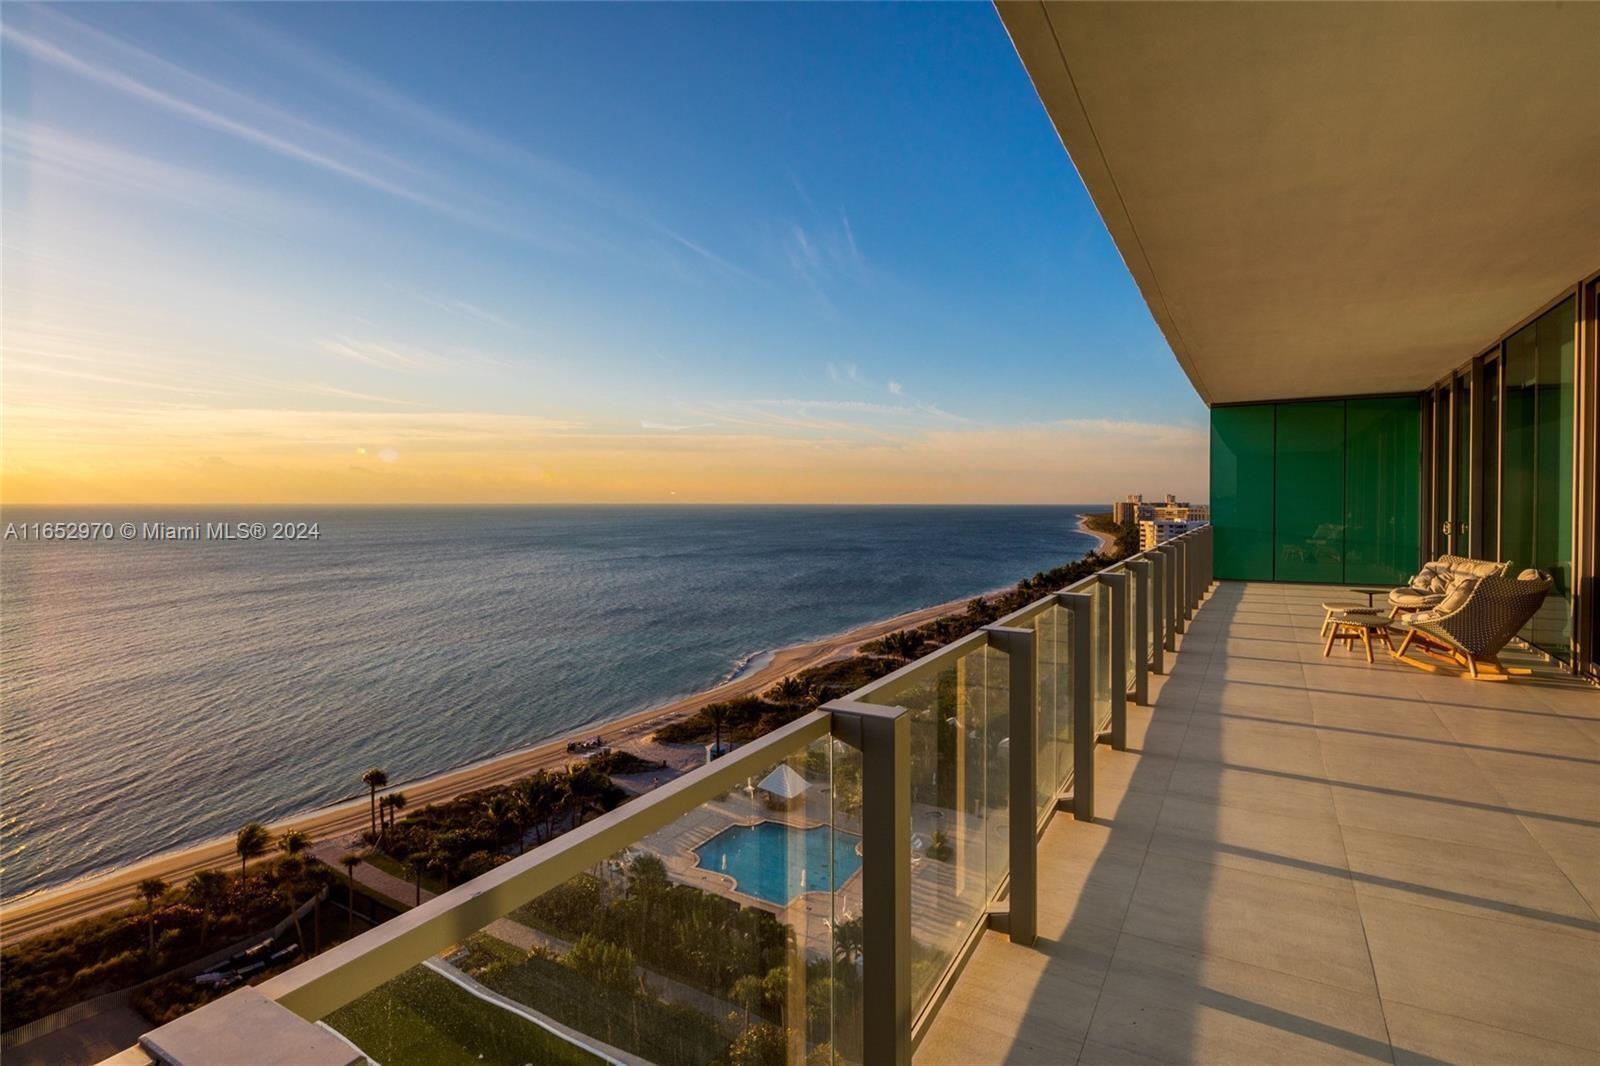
(807, 898)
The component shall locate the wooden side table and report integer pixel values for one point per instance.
(1353, 626)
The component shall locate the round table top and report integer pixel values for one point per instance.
(1369, 592)
(1364, 618)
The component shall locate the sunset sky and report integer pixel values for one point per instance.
(565, 253)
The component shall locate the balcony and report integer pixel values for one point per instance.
(1308, 859)
(1142, 819)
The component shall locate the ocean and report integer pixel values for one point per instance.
(154, 694)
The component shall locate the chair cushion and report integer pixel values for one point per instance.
(1460, 567)
(1532, 575)
(1460, 589)
(1415, 599)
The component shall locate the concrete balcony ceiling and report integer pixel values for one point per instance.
(1330, 199)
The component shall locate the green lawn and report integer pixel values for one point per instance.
(423, 1019)
(397, 869)
(640, 1024)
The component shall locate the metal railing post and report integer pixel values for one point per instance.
(1180, 584)
(1117, 734)
(883, 735)
(1140, 605)
(1158, 613)
(1022, 919)
(1081, 607)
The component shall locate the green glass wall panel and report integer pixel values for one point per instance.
(1309, 511)
(1241, 492)
(1382, 490)
(1536, 479)
(1491, 460)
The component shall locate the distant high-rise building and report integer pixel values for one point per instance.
(1134, 509)
(1153, 531)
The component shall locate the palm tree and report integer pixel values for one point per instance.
(415, 865)
(207, 888)
(904, 644)
(151, 889)
(251, 843)
(499, 813)
(717, 712)
(585, 789)
(374, 779)
(350, 860)
(537, 795)
(394, 803)
(293, 842)
(790, 690)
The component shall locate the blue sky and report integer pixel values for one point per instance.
(521, 252)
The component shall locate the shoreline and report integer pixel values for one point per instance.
(1107, 541)
(45, 908)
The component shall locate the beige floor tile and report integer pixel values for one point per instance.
(1166, 1004)
(955, 1040)
(1078, 885)
(1095, 1054)
(1562, 789)
(1495, 729)
(1252, 788)
(1309, 930)
(1388, 765)
(1376, 715)
(1423, 1038)
(1304, 849)
(1481, 823)
(1501, 974)
(1285, 747)
(1125, 770)
(1573, 848)
(1514, 887)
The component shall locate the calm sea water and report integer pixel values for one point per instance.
(157, 694)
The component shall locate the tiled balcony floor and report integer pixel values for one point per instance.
(1305, 860)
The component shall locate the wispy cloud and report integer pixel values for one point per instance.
(668, 427)
(350, 394)
(896, 389)
(383, 356)
(58, 55)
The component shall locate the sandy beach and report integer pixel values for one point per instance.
(50, 907)
(1107, 541)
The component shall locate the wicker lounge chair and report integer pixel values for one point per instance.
(1428, 588)
(1476, 618)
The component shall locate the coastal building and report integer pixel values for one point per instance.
(1134, 509)
(1153, 816)
(1153, 531)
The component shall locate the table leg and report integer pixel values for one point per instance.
(1366, 641)
(1333, 635)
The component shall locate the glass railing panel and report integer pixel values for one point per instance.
(958, 710)
(1135, 605)
(1152, 609)
(1101, 647)
(733, 934)
(1052, 629)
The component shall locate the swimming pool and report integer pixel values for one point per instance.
(776, 863)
